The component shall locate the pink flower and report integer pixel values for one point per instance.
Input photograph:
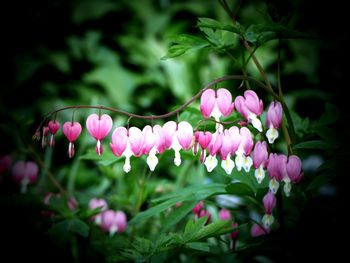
(269, 201)
(72, 131)
(226, 151)
(260, 157)
(72, 203)
(99, 127)
(206, 213)
(44, 137)
(214, 147)
(243, 160)
(273, 121)
(98, 203)
(196, 210)
(153, 143)
(294, 169)
(216, 104)
(274, 168)
(235, 233)
(224, 214)
(178, 136)
(204, 139)
(5, 163)
(260, 154)
(54, 126)
(127, 142)
(25, 173)
(258, 230)
(113, 221)
(250, 107)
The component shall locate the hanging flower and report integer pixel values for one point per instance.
(273, 121)
(113, 221)
(25, 173)
(72, 131)
(260, 157)
(54, 126)
(99, 127)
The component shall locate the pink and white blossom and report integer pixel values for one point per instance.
(25, 173)
(72, 131)
(113, 221)
(54, 126)
(250, 107)
(273, 121)
(260, 157)
(98, 203)
(99, 127)
(216, 103)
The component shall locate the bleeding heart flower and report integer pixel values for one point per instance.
(260, 157)
(44, 137)
(99, 127)
(54, 126)
(273, 121)
(98, 203)
(25, 173)
(216, 103)
(153, 143)
(250, 107)
(224, 214)
(72, 131)
(113, 221)
(258, 230)
(127, 142)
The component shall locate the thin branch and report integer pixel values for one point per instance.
(162, 116)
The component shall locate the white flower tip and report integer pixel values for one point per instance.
(228, 165)
(247, 163)
(272, 135)
(210, 163)
(152, 162)
(268, 220)
(274, 185)
(259, 174)
(287, 188)
(239, 162)
(257, 124)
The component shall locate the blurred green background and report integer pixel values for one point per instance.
(99, 52)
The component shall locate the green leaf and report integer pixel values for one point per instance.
(262, 33)
(216, 228)
(192, 193)
(201, 246)
(106, 160)
(177, 214)
(192, 228)
(183, 43)
(240, 189)
(79, 227)
(316, 144)
(204, 22)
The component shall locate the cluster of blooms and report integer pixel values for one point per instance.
(109, 220)
(22, 172)
(234, 142)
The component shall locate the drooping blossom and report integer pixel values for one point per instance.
(243, 160)
(113, 221)
(72, 203)
(273, 121)
(216, 103)
(177, 136)
(224, 214)
(213, 148)
(260, 157)
(226, 151)
(258, 230)
(72, 131)
(234, 235)
(153, 143)
(44, 137)
(127, 142)
(292, 173)
(102, 205)
(99, 127)
(25, 173)
(269, 202)
(250, 107)
(54, 126)
(274, 168)
(196, 210)
(204, 138)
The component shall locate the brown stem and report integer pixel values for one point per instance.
(162, 116)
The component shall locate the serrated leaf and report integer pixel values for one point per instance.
(240, 189)
(193, 193)
(213, 229)
(177, 214)
(201, 246)
(204, 22)
(184, 43)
